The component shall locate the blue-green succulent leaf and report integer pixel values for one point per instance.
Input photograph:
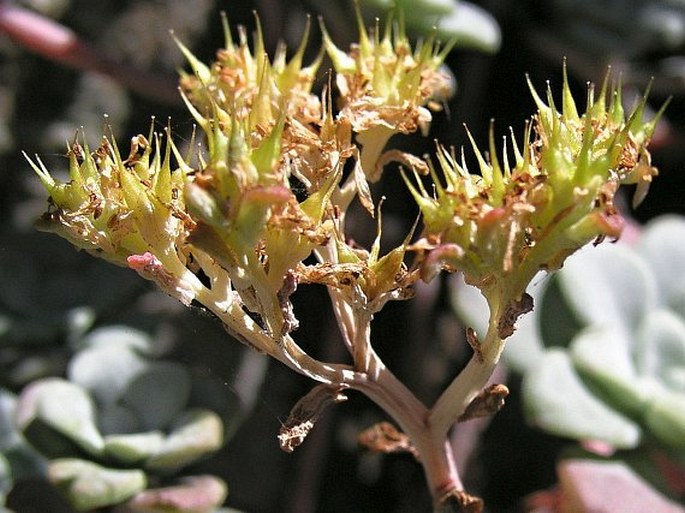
(193, 494)
(158, 394)
(471, 25)
(134, 447)
(117, 419)
(105, 369)
(63, 407)
(120, 335)
(196, 434)
(469, 304)
(557, 400)
(660, 349)
(663, 247)
(603, 356)
(665, 419)
(89, 486)
(609, 285)
(556, 320)
(8, 433)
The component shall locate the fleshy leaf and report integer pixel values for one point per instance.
(8, 405)
(470, 304)
(660, 349)
(662, 246)
(558, 401)
(609, 286)
(194, 435)
(135, 447)
(665, 418)
(107, 366)
(196, 494)
(89, 486)
(118, 419)
(158, 394)
(609, 486)
(603, 355)
(62, 407)
(471, 25)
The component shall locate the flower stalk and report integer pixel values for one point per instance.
(228, 230)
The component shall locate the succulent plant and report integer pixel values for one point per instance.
(121, 423)
(603, 354)
(228, 229)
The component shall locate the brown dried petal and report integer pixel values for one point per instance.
(290, 322)
(305, 413)
(488, 402)
(514, 310)
(411, 161)
(384, 437)
(458, 501)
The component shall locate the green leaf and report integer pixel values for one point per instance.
(89, 486)
(609, 285)
(660, 349)
(421, 7)
(662, 246)
(665, 418)
(135, 447)
(106, 367)
(158, 394)
(196, 434)
(603, 355)
(62, 407)
(556, 399)
(196, 494)
(120, 335)
(471, 25)
(115, 419)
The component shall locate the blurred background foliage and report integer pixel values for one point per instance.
(54, 301)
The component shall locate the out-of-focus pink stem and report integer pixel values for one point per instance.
(60, 44)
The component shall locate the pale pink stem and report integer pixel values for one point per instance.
(57, 43)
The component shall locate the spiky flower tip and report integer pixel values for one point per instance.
(386, 87)
(265, 130)
(243, 84)
(504, 225)
(152, 212)
(267, 106)
(128, 211)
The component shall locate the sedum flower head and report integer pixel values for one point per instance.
(513, 219)
(243, 84)
(386, 87)
(128, 211)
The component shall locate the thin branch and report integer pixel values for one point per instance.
(456, 398)
(58, 43)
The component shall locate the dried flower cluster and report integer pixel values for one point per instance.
(225, 228)
(502, 226)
